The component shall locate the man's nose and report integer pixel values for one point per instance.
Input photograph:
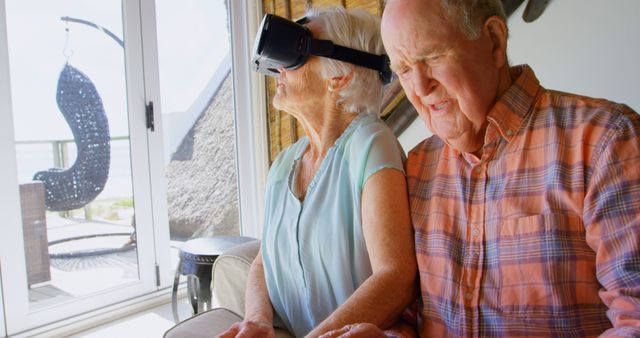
(423, 81)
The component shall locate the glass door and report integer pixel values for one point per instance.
(75, 197)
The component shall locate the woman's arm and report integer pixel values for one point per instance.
(257, 303)
(388, 235)
(258, 309)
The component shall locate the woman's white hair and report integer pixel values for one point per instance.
(357, 29)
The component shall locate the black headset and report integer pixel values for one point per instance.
(282, 43)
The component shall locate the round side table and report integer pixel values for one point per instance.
(196, 261)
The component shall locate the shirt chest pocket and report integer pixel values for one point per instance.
(544, 263)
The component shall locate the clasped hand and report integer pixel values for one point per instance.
(249, 329)
(362, 330)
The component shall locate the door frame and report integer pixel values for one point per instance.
(141, 64)
(155, 171)
(6, 149)
(18, 316)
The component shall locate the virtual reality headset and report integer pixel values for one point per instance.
(282, 43)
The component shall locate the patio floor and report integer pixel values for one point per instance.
(77, 275)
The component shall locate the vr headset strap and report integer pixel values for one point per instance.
(328, 49)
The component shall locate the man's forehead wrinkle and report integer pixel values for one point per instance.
(408, 38)
(410, 51)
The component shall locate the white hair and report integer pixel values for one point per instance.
(471, 14)
(357, 29)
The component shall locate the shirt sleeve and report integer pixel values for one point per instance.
(376, 148)
(612, 222)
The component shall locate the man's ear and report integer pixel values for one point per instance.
(497, 31)
(339, 82)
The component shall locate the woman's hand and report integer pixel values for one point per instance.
(249, 329)
(364, 330)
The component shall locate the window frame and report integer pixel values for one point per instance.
(251, 144)
(20, 318)
(252, 153)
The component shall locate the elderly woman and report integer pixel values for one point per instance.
(337, 245)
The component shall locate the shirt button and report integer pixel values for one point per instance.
(468, 296)
(509, 132)
(475, 232)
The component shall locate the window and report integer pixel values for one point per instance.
(198, 118)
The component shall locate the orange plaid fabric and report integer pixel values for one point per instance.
(539, 237)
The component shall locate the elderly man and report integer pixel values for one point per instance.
(526, 201)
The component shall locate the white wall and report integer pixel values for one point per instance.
(588, 47)
(414, 134)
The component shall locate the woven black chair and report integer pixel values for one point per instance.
(82, 108)
(75, 187)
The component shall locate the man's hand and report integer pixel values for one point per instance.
(249, 329)
(364, 330)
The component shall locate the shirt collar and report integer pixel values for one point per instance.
(516, 103)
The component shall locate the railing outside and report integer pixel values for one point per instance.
(60, 151)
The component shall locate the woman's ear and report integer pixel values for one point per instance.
(336, 83)
(497, 31)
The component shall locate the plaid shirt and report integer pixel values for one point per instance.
(540, 236)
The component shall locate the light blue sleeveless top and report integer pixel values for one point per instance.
(314, 252)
